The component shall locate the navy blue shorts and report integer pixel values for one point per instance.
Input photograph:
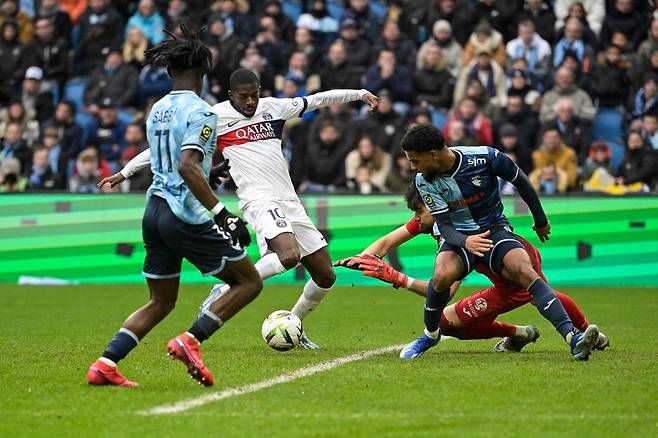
(168, 240)
(503, 240)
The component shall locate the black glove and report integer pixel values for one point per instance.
(235, 226)
(219, 171)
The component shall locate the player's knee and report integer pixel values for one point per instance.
(253, 286)
(326, 279)
(163, 306)
(441, 282)
(289, 258)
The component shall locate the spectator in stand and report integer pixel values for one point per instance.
(226, 42)
(574, 132)
(69, 133)
(523, 119)
(61, 21)
(11, 60)
(457, 13)
(501, 15)
(649, 45)
(484, 39)
(564, 87)
(650, 130)
(624, 18)
(549, 179)
(475, 124)
(149, 21)
(285, 26)
(176, 11)
(392, 39)
(610, 82)
(298, 69)
(13, 145)
(254, 61)
(451, 51)
(401, 174)
(598, 158)
(325, 161)
(542, 16)
(554, 151)
(52, 142)
(594, 12)
(75, 8)
(50, 53)
(41, 175)
(218, 77)
(135, 143)
(133, 49)
(115, 80)
(241, 24)
(108, 133)
(458, 135)
(9, 11)
(88, 170)
(639, 72)
(366, 20)
(304, 43)
(357, 47)
(318, 21)
(271, 47)
(572, 42)
(645, 100)
(372, 157)
(476, 91)
(509, 144)
(387, 74)
(11, 179)
(489, 73)
(531, 47)
(36, 100)
(385, 126)
(338, 73)
(100, 13)
(577, 11)
(640, 163)
(15, 113)
(521, 85)
(433, 85)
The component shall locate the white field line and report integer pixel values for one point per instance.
(185, 405)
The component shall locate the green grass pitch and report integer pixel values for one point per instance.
(50, 335)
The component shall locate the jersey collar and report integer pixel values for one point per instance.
(457, 164)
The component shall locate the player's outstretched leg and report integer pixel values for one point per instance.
(245, 285)
(163, 299)
(322, 280)
(525, 335)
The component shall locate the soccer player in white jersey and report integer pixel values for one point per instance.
(176, 225)
(249, 135)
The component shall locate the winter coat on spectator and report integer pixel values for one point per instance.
(642, 105)
(404, 49)
(18, 150)
(229, 48)
(358, 52)
(25, 25)
(590, 164)
(40, 104)
(564, 158)
(543, 18)
(526, 124)
(501, 14)
(582, 103)
(433, 87)
(646, 48)
(61, 21)
(576, 134)
(539, 184)
(11, 63)
(537, 54)
(71, 138)
(340, 76)
(595, 12)
(91, 51)
(51, 56)
(493, 81)
(460, 18)
(377, 175)
(367, 21)
(494, 45)
(640, 165)
(478, 127)
(154, 82)
(108, 17)
(385, 129)
(43, 178)
(609, 84)
(583, 51)
(325, 163)
(110, 139)
(120, 85)
(632, 24)
(398, 84)
(151, 26)
(453, 54)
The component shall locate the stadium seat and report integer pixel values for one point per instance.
(608, 125)
(439, 118)
(616, 154)
(293, 9)
(74, 90)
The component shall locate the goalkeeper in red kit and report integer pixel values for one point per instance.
(473, 317)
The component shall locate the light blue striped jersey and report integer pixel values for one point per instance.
(181, 120)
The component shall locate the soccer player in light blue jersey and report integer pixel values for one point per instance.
(176, 225)
(459, 187)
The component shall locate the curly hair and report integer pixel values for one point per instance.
(181, 53)
(423, 138)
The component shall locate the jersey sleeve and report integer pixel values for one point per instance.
(289, 108)
(201, 132)
(502, 165)
(431, 198)
(413, 227)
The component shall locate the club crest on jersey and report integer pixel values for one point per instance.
(281, 223)
(481, 304)
(206, 133)
(474, 161)
(428, 200)
(477, 180)
(267, 116)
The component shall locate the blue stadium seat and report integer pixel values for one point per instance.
(608, 125)
(616, 154)
(439, 118)
(293, 9)
(74, 90)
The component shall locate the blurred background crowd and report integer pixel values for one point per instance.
(568, 89)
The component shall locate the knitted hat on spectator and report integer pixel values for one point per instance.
(508, 130)
(600, 145)
(440, 25)
(349, 23)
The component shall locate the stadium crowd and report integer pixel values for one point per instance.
(568, 89)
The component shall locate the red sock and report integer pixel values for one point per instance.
(574, 312)
(486, 329)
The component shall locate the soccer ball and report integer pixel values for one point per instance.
(282, 330)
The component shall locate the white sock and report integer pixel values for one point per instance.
(269, 265)
(309, 299)
(520, 331)
(107, 361)
(433, 335)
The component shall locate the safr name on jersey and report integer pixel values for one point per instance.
(258, 131)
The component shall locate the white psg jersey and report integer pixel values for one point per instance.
(253, 147)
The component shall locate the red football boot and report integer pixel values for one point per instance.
(185, 348)
(101, 373)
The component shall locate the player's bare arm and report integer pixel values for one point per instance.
(389, 242)
(139, 162)
(332, 97)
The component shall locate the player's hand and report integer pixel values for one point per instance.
(372, 101)
(235, 226)
(354, 262)
(381, 270)
(543, 232)
(220, 171)
(478, 244)
(113, 180)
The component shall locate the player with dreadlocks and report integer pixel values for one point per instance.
(181, 135)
